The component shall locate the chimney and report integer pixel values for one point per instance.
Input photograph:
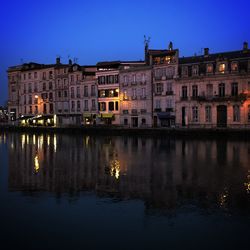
(70, 62)
(206, 52)
(170, 46)
(245, 46)
(58, 60)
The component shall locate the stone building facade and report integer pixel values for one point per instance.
(164, 90)
(136, 97)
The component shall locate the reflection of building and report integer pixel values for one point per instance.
(162, 172)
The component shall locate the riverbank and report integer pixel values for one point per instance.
(118, 131)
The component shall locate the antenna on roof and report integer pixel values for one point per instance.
(146, 40)
(75, 59)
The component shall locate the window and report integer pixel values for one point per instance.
(29, 75)
(72, 78)
(236, 113)
(143, 77)
(234, 66)
(85, 91)
(30, 110)
(86, 105)
(59, 94)
(44, 86)
(134, 78)
(44, 75)
(185, 71)
(195, 114)
(234, 89)
(111, 106)
(169, 87)
(210, 68)
(194, 91)
(72, 105)
(159, 88)
(222, 67)
(72, 90)
(125, 121)
(65, 93)
(36, 109)
(143, 90)
(125, 80)
(93, 90)
(93, 104)
(102, 106)
(35, 74)
(125, 95)
(134, 93)
(30, 88)
(51, 96)
(195, 70)
(184, 92)
(24, 76)
(51, 108)
(116, 106)
(102, 93)
(78, 105)
(169, 104)
(209, 90)
(44, 108)
(221, 89)
(30, 99)
(158, 104)
(208, 114)
(50, 85)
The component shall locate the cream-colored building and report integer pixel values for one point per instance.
(136, 97)
(213, 90)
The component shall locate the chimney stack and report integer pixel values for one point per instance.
(58, 60)
(245, 46)
(70, 62)
(170, 46)
(206, 52)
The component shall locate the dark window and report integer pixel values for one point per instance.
(194, 91)
(116, 106)
(234, 89)
(184, 92)
(111, 106)
(221, 89)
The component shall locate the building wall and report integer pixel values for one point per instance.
(136, 97)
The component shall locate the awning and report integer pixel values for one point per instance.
(107, 115)
(86, 115)
(25, 117)
(165, 115)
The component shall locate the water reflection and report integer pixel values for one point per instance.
(164, 173)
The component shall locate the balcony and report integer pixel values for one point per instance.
(143, 111)
(169, 110)
(239, 98)
(184, 98)
(157, 110)
(158, 93)
(134, 112)
(169, 92)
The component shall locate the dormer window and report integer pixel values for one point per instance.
(222, 68)
(210, 68)
(185, 71)
(195, 70)
(234, 66)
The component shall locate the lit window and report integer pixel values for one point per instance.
(236, 113)
(222, 68)
(234, 66)
(210, 68)
(195, 114)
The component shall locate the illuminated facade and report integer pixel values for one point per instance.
(165, 90)
(213, 90)
(136, 97)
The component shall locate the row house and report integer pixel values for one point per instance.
(165, 70)
(136, 97)
(107, 76)
(213, 90)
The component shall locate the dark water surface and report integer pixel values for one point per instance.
(87, 192)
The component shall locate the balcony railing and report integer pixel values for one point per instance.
(169, 92)
(157, 109)
(184, 98)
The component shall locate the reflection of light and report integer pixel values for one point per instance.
(223, 198)
(115, 168)
(34, 140)
(247, 183)
(27, 139)
(55, 143)
(48, 140)
(40, 142)
(23, 141)
(86, 140)
(36, 167)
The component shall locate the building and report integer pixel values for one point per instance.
(164, 90)
(212, 90)
(165, 70)
(136, 97)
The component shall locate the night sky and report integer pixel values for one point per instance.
(93, 31)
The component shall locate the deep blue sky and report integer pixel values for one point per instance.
(95, 30)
